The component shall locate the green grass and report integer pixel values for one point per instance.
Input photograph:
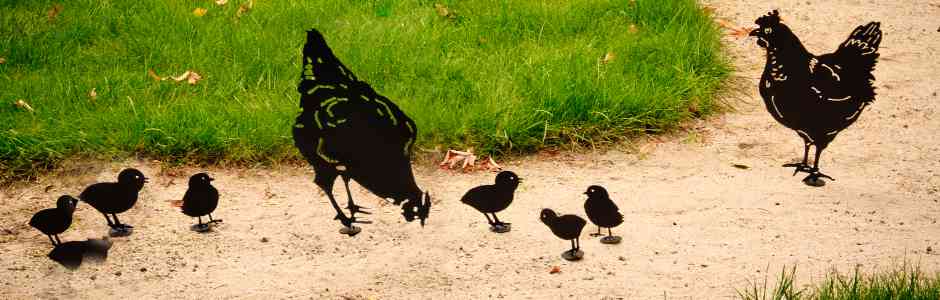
(905, 282)
(500, 76)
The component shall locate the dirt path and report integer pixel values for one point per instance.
(697, 227)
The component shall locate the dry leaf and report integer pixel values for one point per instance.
(555, 270)
(3, 60)
(22, 104)
(189, 76)
(735, 30)
(608, 58)
(93, 94)
(221, 2)
(708, 10)
(633, 29)
(444, 12)
(199, 11)
(176, 203)
(54, 11)
(169, 183)
(467, 161)
(244, 8)
(154, 75)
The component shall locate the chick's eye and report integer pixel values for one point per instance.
(768, 30)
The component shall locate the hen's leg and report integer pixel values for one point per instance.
(609, 233)
(814, 174)
(325, 181)
(52, 240)
(352, 207)
(57, 240)
(803, 166)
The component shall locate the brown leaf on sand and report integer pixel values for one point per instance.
(23, 105)
(555, 270)
(176, 203)
(199, 11)
(739, 32)
(154, 75)
(54, 12)
(467, 161)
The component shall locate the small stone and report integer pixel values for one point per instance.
(93, 277)
(118, 273)
(143, 269)
(264, 240)
(929, 250)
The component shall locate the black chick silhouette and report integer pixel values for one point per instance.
(816, 96)
(346, 129)
(54, 221)
(493, 198)
(603, 212)
(566, 227)
(201, 199)
(115, 197)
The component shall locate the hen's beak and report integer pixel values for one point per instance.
(146, 180)
(211, 179)
(754, 32)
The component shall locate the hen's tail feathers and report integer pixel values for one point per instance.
(861, 48)
(320, 65)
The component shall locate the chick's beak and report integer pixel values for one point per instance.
(754, 32)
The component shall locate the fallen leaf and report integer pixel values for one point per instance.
(555, 270)
(633, 29)
(169, 183)
(93, 94)
(443, 11)
(736, 31)
(190, 77)
(154, 75)
(244, 8)
(221, 2)
(740, 166)
(199, 11)
(23, 105)
(467, 161)
(3, 60)
(54, 11)
(268, 194)
(176, 203)
(490, 164)
(708, 10)
(48, 187)
(608, 58)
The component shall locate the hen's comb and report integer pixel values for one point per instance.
(772, 18)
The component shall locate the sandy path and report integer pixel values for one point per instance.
(697, 228)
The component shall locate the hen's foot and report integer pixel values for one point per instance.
(799, 167)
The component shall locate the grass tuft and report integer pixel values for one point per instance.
(905, 282)
(499, 76)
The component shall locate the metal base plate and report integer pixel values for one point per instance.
(200, 228)
(610, 240)
(120, 232)
(816, 182)
(572, 255)
(350, 231)
(500, 228)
